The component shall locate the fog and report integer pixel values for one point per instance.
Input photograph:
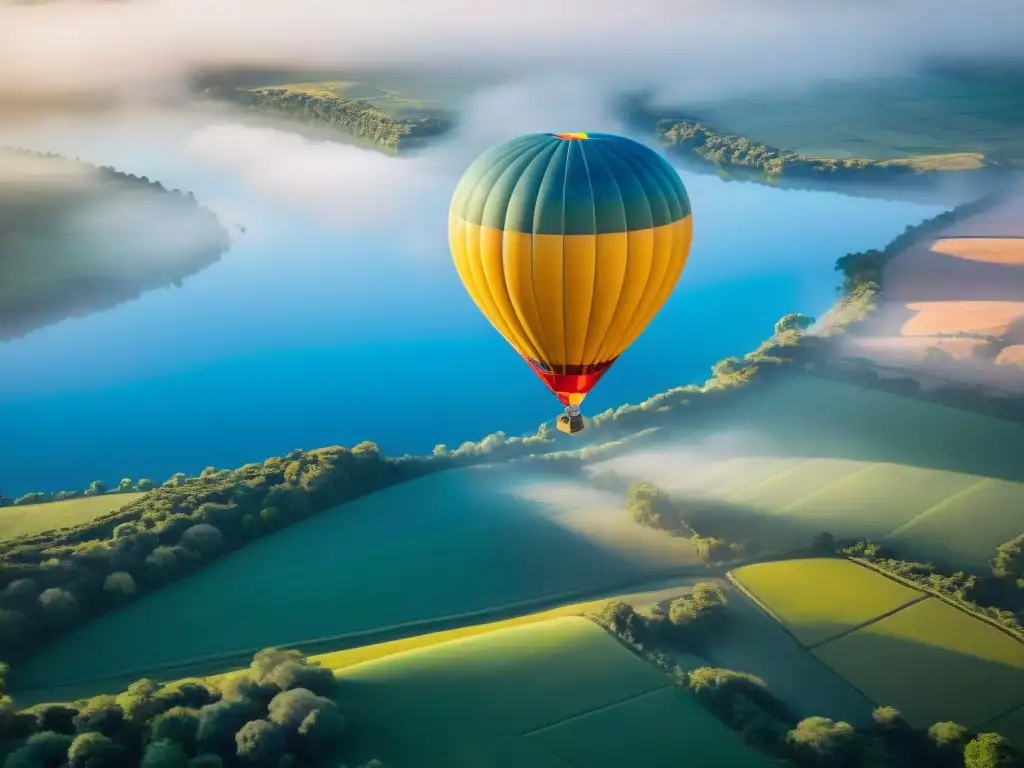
(53, 52)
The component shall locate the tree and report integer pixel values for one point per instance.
(60, 608)
(824, 742)
(650, 506)
(119, 583)
(290, 708)
(137, 701)
(203, 538)
(220, 721)
(96, 488)
(40, 749)
(321, 731)
(1009, 559)
(125, 485)
(101, 714)
(145, 484)
(615, 614)
(946, 741)
(285, 670)
(988, 750)
(94, 750)
(728, 366)
(179, 725)
(261, 743)
(59, 718)
(793, 322)
(164, 753)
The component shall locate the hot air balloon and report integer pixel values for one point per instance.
(569, 244)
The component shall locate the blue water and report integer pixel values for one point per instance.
(308, 334)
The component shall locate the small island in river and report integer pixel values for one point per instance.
(77, 239)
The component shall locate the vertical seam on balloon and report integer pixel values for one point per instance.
(522, 326)
(593, 287)
(565, 328)
(508, 326)
(642, 319)
(537, 343)
(600, 353)
(533, 275)
(647, 279)
(485, 290)
(606, 350)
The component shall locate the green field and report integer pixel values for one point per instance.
(36, 518)
(558, 693)
(975, 522)
(445, 544)
(933, 662)
(818, 599)
(805, 455)
(881, 119)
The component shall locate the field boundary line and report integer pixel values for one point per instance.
(782, 624)
(865, 624)
(973, 612)
(1000, 716)
(939, 505)
(827, 489)
(236, 659)
(756, 601)
(578, 715)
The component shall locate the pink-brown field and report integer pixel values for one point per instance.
(969, 280)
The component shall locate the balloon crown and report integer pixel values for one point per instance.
(570, 136)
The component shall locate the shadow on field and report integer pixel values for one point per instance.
(452, 543)
(801, 417)
(928, 683)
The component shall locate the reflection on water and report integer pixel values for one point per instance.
(314, 331)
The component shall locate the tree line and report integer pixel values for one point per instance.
(746, 706)
(997, 596)
(95, 488)
(279, 713)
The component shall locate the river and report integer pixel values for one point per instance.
(317, 329)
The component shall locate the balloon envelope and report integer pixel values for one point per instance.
(569, 244)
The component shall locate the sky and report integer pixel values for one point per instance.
(139, 50)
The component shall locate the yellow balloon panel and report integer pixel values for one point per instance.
(570, 299)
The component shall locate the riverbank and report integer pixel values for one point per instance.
(394, 123)
(79, 238)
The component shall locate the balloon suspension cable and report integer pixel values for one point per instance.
(572, 411)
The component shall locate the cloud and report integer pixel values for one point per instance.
(360, 189)
(146, 48)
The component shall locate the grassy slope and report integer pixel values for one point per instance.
(36, 518)
(562, 687)
(929, 660)
(445, 544)
(805, 455)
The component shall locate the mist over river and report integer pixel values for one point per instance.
(337, 315)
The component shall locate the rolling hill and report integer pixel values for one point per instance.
(554, 694)
(804, 455)
(449, 543)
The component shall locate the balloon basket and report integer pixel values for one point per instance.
(571, 421)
